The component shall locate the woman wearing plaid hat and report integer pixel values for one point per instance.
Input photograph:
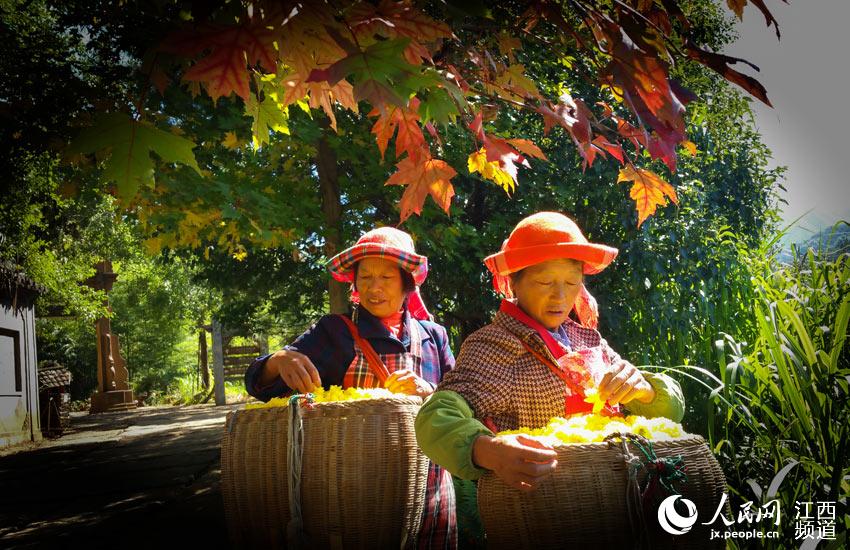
(389, 331)
(533, 362)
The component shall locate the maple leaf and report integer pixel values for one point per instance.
(232, 49)
(439, 107)
(477, 162)
(392, 19)
(513, 79)
(507, 45)
(268, 116)
(379, 73)
(406, 120)
(498, 150)
(720, 64)
(230, 140)
(423, 176)
(128, 144)
(528, 147)
(569, 114)
(649, 191)
(318, 94)
(613, 149)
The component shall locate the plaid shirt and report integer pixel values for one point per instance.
(502, 381)
(330, 347)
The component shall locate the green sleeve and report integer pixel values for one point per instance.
(669, 401)
(446, 430)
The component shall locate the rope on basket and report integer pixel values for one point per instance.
(660, 472)
(295, 451)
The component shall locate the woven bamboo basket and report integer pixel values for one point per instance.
(585, 501)
(362, 479)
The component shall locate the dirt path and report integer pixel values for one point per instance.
(148, 478)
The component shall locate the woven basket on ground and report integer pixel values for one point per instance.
(362, 479)
(585, 501)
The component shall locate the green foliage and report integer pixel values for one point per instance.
(130, 144)
(784, 405)
(156, 308)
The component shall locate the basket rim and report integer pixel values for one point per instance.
(397, 399)
(686, 438)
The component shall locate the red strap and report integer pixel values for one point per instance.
(556, 369)
(372, 358)
(574, 403)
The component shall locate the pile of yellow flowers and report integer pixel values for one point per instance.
(334, 393)
(591, 428)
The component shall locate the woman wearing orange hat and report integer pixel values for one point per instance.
(389, 340)
(533, 362)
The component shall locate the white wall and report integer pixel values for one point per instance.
(19, 417)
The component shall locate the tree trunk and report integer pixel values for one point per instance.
(326, 164)
(204, 360)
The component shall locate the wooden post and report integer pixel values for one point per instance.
(218, 364)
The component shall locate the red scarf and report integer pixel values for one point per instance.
(393, 323)
(575, 402)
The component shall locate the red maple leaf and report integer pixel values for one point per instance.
(233, 48)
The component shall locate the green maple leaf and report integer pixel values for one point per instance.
(129, 144)
(439, 107)
(268, 116)
(379, 73)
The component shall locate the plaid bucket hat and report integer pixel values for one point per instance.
(390, 244)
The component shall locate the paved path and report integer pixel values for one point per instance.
(148, 478)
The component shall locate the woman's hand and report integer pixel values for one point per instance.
(623, 383)
(519, 461)
(406, 381)
(296, 370)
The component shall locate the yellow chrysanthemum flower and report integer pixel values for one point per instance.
(591, 428)
(591, 395)
(332, 394)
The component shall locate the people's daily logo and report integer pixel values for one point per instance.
(673, 522)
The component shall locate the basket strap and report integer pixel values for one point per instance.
(295, 451)
(372, 358)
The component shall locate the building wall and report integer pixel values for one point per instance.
(19, 417)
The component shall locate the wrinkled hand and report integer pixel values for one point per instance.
(296, 370)
(406, 381)
(518, 460)
(623, 383)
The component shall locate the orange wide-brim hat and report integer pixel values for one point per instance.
(546, 236)
(550, 236)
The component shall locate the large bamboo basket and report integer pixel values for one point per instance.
(585, 501)
(362, 480)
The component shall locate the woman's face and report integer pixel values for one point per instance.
(380, 286)
(548, 290)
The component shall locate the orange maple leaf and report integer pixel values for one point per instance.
(649, 190)
(528, 147)
(409, 139)
(422, 177)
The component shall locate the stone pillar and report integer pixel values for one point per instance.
(113, 380)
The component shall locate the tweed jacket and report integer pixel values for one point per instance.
(502, 381)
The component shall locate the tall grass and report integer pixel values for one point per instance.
(779, 420)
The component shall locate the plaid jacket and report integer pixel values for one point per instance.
(330, 347)
(502, 381)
